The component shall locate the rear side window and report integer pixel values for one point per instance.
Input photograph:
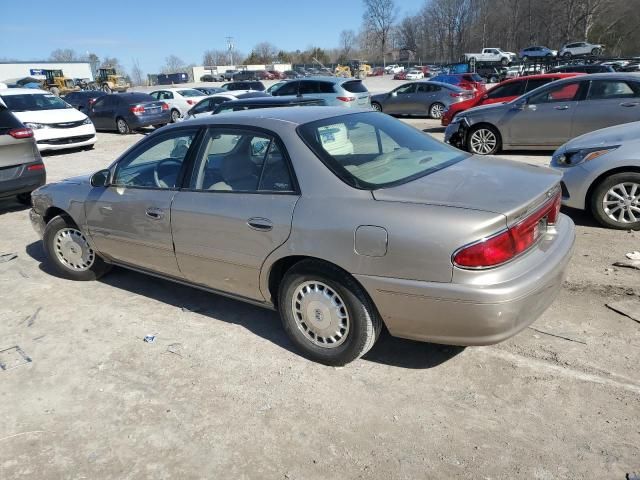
(533, 84)
(325, 87)
(290, 88)
(560, 93)
(608, 89)
(355, 86)
(512, 89)
(8, 120)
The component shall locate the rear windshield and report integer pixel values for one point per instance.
(8, 121)
(371, 150)
(191, 92)
(139, 98)
(29, 102)
(355, 86)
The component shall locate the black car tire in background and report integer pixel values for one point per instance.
(376, 106)
(122, 126)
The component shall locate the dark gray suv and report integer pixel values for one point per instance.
(21, 167)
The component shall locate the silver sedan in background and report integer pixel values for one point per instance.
(601, 174)
(420, 98)
(549, 116)
(343, 221)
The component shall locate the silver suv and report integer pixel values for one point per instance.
(335, 91)
(21, 167)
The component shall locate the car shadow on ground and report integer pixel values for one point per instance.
(434, 129)
(581, 217)
(262, 322)
(10, 205)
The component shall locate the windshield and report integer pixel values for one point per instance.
(192, 92)
(31, 102)
(373, 150)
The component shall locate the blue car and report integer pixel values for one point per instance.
(125, 112)
(537, 52)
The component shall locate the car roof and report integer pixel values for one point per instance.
(322, 78)
(293, 116)
(441, 84)
(269, 100)
(23, 91)
(542, 76)
(608, 76)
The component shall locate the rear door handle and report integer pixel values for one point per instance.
(260, 224)
(562, 107)
(154, 213)
(629, 104)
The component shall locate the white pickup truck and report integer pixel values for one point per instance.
(491, 55)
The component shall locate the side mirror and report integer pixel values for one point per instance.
(520, 105)
(101, 178)
(394, 94)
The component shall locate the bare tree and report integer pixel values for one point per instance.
(137, 75)
(113, 62)
(378, 17)
(214, 57)
(173, 64)
(265, 52)
(63, 55)
(347, 43)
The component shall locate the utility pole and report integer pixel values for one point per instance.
(230, 49)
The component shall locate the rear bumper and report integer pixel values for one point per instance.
(135, 121)
(23, 181)
(473, 314)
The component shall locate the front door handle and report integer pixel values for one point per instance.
(562, 107)
(260, 224)
(154, 213)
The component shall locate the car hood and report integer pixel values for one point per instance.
(480, 183)
(480, 109)
(78, 180)
(51, 116)
(616, 135)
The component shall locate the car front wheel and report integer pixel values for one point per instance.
(615, 202)
(327, 314)
(376, 106)
(70, 253)
(483, 140)
(436, 110)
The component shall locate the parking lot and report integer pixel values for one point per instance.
(222, 393)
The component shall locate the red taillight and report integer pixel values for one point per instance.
(37, 166)
(346, 99)
(21, 133)
(165, 106)
(506, 245)
(137, 110)
(191, 102)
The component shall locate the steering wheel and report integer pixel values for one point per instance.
(166, 168)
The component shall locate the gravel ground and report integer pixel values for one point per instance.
(222, 393)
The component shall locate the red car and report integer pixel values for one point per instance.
(377, 72)
(276, 75)
(503, 92)
(400, 76)
(264, 75)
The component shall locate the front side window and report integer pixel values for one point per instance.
(566, 92)
(157, 164)
(241, 161)
(190, 92)
(370, 151)
(405, 89)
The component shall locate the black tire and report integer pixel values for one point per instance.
(567, 55)
(88, 147)
(122, 126)
(24, 198)
(595, 51)
(628, 207)
(504, 61)
(364, 323)
(376, 106)
(436, 110)
(175, 115)
(98, 267)
(471, 145)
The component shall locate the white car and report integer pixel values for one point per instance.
(395, 68)
(56, 125)
(207, 105)
(580, 48)
(180, 100)
(415, 75)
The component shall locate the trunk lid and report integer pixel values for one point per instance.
(488, 184)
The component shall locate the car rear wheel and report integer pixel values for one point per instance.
(595, 51)
(567, 55)
(376, 106)
(24, 198)
(122, 126)
(504, 61)
(436, 110)
(615, 202)
(175, 116)
(483, 140)
(327, 314)
(70, 253)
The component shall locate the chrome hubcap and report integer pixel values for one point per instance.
(376, 107)
(174, 116)
(483, 141)
(122, 126)
(73, 250)
(621, 203)
(436, 111)
(320, 314)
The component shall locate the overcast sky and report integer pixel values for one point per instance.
(151, 30)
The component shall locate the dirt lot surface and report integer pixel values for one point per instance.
(222, 394)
